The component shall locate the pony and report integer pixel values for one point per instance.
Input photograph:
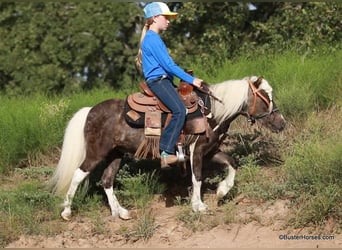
(100, 135)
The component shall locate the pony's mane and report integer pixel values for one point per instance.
(234, 94)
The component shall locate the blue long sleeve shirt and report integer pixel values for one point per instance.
(156, 60)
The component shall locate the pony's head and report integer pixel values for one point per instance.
(261, 105)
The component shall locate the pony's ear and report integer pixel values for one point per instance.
(258, 81)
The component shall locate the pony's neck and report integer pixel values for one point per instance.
(234, 95)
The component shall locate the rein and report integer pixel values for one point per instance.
(204, 89)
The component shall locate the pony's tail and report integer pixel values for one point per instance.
(73, 153)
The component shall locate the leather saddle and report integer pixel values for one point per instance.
(146, 103)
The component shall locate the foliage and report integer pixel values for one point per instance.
(62, 47)
(252, 181)
(27, 198)
(228, 29)
(313, 169)
(280, 25)
(306, 90)
(34, 125)
(137, 189)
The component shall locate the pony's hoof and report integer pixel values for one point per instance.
(199, 207)
(220, 194)
(66, 217)
(222, 190)
(66, 214)
(124, 214)
(125, 217)
(203, 208)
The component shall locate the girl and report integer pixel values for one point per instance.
(159, 69)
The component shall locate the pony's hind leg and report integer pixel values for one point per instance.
(227, 184)
(78, 177)
(107, 183)
(88, 165)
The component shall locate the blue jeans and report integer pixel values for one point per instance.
(164, 89)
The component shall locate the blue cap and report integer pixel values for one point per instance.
(158, 8)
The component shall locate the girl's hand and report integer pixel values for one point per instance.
(197, 82)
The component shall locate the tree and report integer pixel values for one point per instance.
(299, 25)
(54, 47)
(58, 47)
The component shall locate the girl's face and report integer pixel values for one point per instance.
(161, 22)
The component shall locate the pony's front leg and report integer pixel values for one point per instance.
(78, 177)
(107, 182)
(225, 185)
(196, 175)
(196, 200)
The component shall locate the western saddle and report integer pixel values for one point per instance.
(145, 103)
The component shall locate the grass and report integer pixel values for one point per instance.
(27, 209)
(137, 188)
(145, 225)
(196, 221)
(34, 126)
(314, 171)
(302, 164)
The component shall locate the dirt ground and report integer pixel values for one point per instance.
(260, 225)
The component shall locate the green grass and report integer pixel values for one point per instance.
(145, 226)
(27, 209)
(307, 90)
(313, 169)
(196, 221)
(137, 188)
(253, 182)
(33, 126)
(301, 83)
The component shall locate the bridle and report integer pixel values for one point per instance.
(251, 117)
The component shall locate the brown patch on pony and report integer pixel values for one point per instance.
(258, 81)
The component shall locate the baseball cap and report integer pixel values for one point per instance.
(158, 8)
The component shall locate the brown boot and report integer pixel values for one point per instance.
(167, 160)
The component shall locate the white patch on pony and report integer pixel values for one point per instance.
(225, 185)
(196, 201)
(77, 178)
(267, 87)
(116, 209)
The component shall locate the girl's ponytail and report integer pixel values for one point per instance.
(138, 59)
